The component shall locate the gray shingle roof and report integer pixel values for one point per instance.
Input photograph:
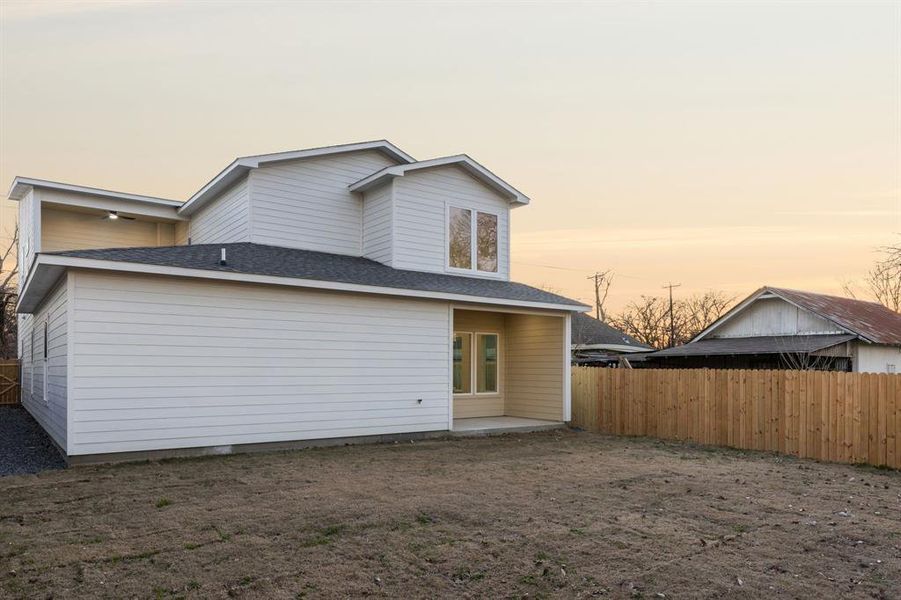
(587, 330)
(258, 259)
(770, 344)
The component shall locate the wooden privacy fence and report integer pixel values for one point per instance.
(841, 417)
(9, 382)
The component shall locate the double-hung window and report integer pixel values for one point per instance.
(476, 357)
(472, 240)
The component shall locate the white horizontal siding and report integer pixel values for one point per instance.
(306, 204)
(225, 219)
(27, 234)
(49, 411)
(773, 316)
(378, 219)
(421, 198)
(168, 363)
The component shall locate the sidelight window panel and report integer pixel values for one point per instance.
(462, 363)
(486, 240)
(460, 238)
(486, 362)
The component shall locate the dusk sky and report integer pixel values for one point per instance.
(720, 145)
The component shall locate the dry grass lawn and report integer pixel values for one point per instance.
(558, 514)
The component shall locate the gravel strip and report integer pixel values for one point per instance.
(24, 446)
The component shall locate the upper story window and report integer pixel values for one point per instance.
(472, 240)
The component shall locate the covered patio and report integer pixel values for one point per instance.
(510, 370)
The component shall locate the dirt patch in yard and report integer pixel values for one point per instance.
(558, 514)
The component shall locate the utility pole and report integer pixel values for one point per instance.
(601, 279)
(672, 321)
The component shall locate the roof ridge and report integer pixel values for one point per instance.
(824, 295)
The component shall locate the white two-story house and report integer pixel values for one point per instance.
(323, 294)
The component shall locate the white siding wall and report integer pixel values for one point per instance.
(174, 363)
(27, 235)
(870, 358)
(421, 198)
(225, 219)
(49, 410)
(306, 204)
(378, 208)
(773, 316)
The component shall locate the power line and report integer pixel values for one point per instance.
(517, 262)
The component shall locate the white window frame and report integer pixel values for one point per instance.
(473, 241)
(474, 335)
(475, 365)
(472, 375)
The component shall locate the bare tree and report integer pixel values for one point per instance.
(701, 310)
(802, 361)
(648, 319)
(8, 295)
(882, 282)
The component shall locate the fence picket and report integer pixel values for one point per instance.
(842, 417)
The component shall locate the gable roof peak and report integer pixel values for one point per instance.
(243, 164)
(464, 161)
(869, 321)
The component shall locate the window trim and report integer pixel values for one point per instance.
(447, 239)
(474, 366)
(473, 241)
(472, 347)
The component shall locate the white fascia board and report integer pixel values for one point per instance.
(52, 264)
(20, 186)
(242, 165)
(224, 179)
(461, 160)
(383, 145)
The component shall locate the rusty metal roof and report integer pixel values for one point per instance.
(870, 320)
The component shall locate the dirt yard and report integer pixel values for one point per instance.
(543, 515)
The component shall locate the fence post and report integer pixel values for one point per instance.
(843, 417)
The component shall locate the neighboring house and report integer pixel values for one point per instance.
(595, 343)
(777, 328)
(319, 294)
